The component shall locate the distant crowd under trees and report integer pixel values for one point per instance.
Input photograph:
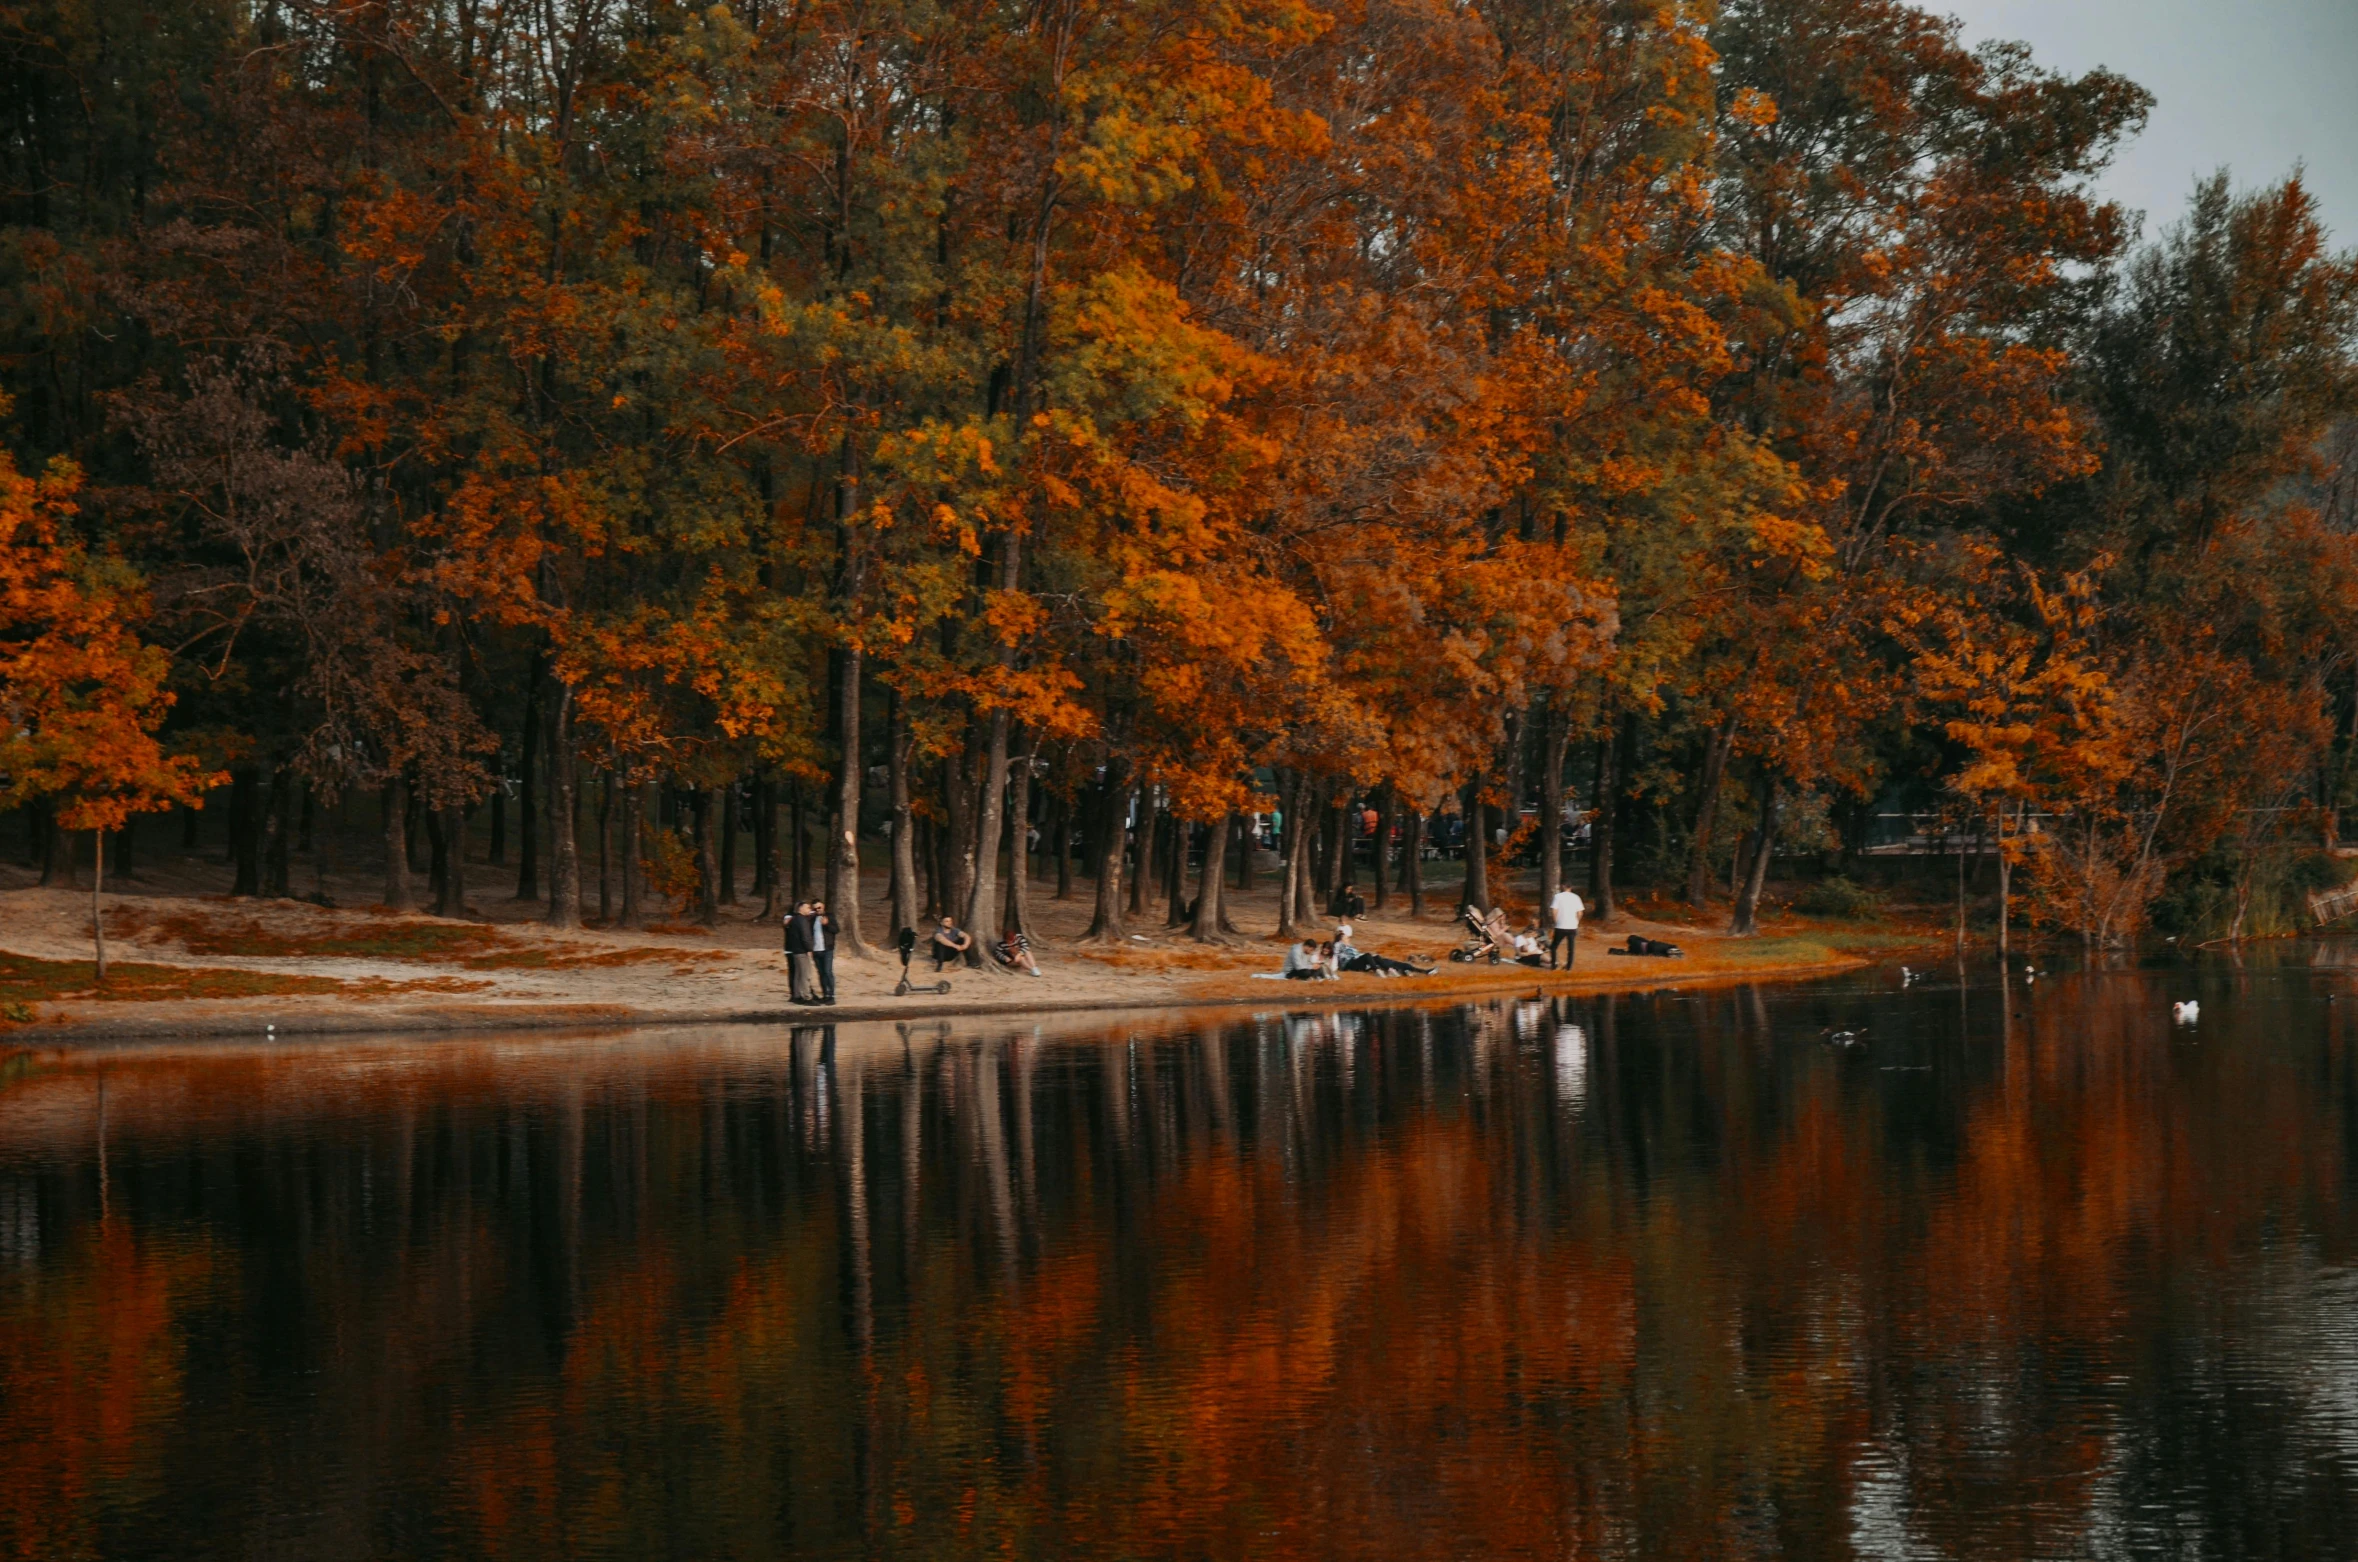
(921, 421)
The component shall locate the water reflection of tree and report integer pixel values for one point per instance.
(1333, 1283)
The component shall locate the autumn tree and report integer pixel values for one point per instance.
(81, 696)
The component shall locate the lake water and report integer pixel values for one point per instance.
(2032, 1273)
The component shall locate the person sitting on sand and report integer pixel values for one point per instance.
(1301, 962)
(950, 943)
(1530, 951)
(1016, 950)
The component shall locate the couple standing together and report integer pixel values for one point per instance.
(810, 952)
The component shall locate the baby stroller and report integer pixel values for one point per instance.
(1491, 939)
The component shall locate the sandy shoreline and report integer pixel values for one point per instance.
(209, 966)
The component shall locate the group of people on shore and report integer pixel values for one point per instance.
(811, 939)
(1495, 942)
(1326, 959)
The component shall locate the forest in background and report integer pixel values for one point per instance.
(925, 418)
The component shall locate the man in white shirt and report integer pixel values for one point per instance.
(1565, 912)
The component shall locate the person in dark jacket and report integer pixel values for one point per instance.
(1348, 903)
(798, 952)
(823, 949)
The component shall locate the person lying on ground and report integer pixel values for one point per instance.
(1016, 950)
(1350, 958)
(950, 943)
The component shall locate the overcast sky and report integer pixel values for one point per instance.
(2254, 85)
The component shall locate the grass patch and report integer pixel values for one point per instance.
(25, 982)
(199, 934)
(470, 946)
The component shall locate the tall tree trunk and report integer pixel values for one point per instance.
(276, 880)
(606, 848)
(797, 816)
(1018, 918)
(843, 842)
(451, 850)
(564, 833)
(1601, 828)
(627, 848)
(900, 742)
(413, 812)
(437, 862)
(1716, 749)
(982, 905)
(1306, 903)
(1293, 790)
(958, 810)
(97, 883)
(707, 807)
(399, 896)
(1206, 928)
(1240, 841)
(1745, 922)
(1476, 892)
(765, 843)
(1387, 814)
(728, 843)
(496, 853)
(1330, 846)
(245, 831)
(528, 789)
(1149, 836)
(1555, 737)
(1412, 861)
(1062, 814)
(1175, 871)
(1105, 926)
(929, 860)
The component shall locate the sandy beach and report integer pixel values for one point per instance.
(189, 962)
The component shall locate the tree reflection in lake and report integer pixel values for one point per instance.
(1657, 1276)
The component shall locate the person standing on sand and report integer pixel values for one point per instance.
(798, 952)
(823, 949)
(1564, 911)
